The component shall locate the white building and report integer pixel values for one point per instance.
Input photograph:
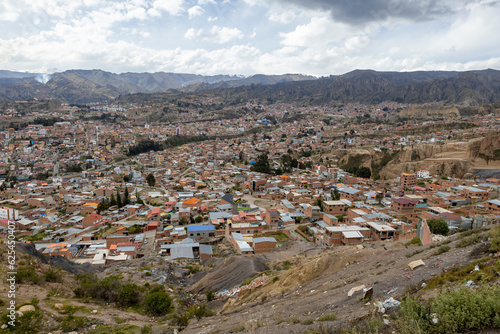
(423, 174)
(9, 213)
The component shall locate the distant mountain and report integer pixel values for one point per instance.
(367, 86)
(16, 75)
(84, 86)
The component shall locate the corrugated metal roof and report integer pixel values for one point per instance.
(352, 234)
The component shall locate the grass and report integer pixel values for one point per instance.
(328, 317)
(309, 321)
(467, 241)
(414, 241)
(488, 271)
(442, 249)
(418, 251)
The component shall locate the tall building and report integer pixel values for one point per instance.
(408, 180)
(9, 213)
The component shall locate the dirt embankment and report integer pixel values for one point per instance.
(57, 261)
(229, 274)
(457, 159)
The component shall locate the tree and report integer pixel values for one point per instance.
(126, 178)
(262, 165)
(151, 180)
(335, 194)
(319, 202)
(138, 199)
(118, 199)
(112, 200)
(126, 197)
(183, 221)
(198, 219)
(438, 226)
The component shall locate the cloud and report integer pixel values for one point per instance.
(195, 11)
(173, 7)
(319, 31)
(215, 34)
(283, 17)
(360, 12)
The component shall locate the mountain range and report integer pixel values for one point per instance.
(85, 86)
(364, 86)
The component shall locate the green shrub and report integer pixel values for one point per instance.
(438, 226)
(157, 303)
(210, 294)
(466, 310)
(469, 241)
(146, 329)
(129, 295)
(442, 249)
(52, 275)
(415, 241)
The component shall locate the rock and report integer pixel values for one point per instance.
(27, 308)
(94, 311)
(416, 264)
(59, 306)
(74, 332)
(367, 294)
(355, 289)
(4, 326)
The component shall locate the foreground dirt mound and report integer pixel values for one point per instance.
(230, 274)
(57, 261)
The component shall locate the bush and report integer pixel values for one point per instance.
(438, 226)
(442, 249)
(52, 275)
(467, 310)
(210, 294)
(146, 329)
(414, 241)
(470, 240)
(129, 295)
(157, 303)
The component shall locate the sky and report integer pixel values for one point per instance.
(246, 37)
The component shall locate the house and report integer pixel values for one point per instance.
(287, 206)
(334, 207)
(200, 232)
(192, 202)
(92, 220)
(272, 219)
(350, 193)
(263, 245)
(403, 205)
(493, 205)
(408, 180)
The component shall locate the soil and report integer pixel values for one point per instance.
(318, 284)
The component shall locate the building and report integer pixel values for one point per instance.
(403, 205)
(334, 207)
(200, 232)
(9, 213)
(408, 180)
(423, 174)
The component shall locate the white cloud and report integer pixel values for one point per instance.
(212, 18)
(283, 17)
(215, 34)
(173, 7)
(195, 11)
(320, 31)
